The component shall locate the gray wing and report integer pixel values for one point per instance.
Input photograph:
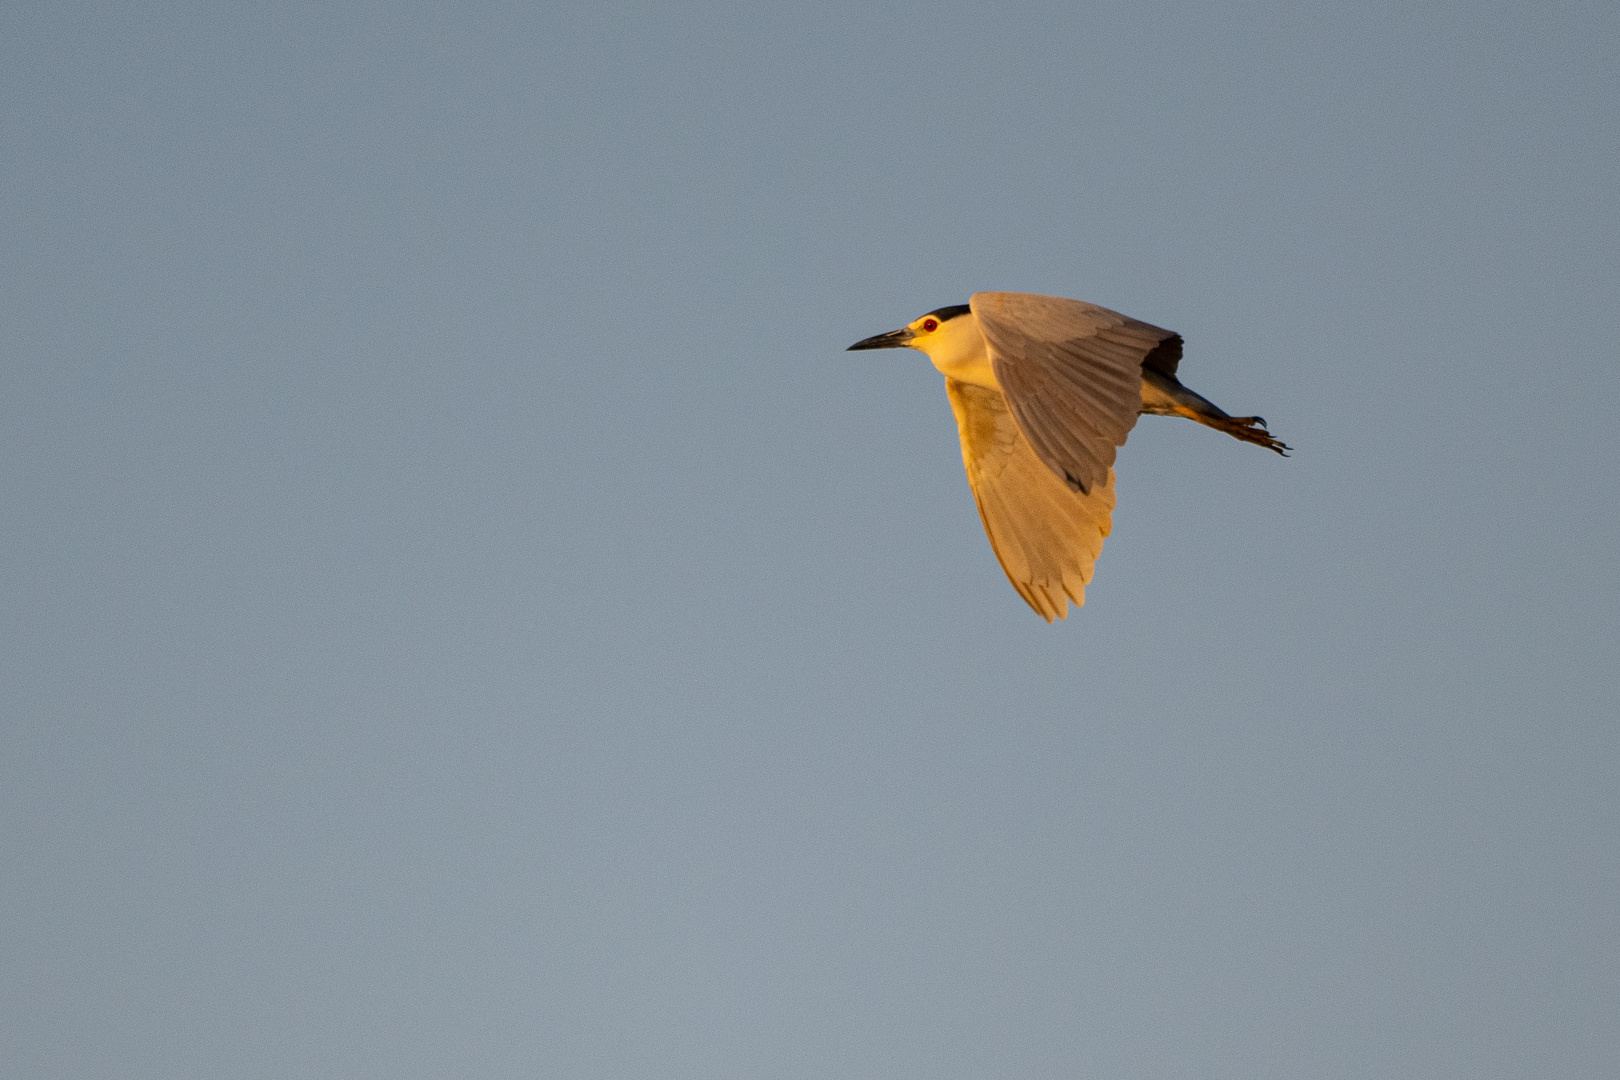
(1046, 535)
(1072, 375)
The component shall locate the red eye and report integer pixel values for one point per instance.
(930, 325)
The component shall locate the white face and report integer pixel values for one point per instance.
(930, 331)
(955, 346)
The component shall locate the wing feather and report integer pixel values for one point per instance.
(1046, 535)
(1071, 373)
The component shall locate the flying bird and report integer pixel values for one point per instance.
(1045, 389)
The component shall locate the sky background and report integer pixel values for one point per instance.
(462, 613)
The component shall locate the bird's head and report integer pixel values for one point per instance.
(944, 330)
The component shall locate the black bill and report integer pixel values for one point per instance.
(895, 339)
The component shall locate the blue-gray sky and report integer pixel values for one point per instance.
(463, 613)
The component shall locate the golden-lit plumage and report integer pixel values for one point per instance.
(1045, 390)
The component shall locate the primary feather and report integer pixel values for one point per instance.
(1046, 535)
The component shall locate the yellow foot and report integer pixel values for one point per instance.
(1252, 429)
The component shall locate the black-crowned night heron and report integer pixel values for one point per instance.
(1045, 390)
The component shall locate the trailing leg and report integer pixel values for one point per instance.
(1163, 395)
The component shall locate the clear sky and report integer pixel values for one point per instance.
(462, 613)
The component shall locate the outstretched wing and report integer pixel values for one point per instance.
(1072, 375)
(1046, 534)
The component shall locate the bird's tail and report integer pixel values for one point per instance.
(1163, 395)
